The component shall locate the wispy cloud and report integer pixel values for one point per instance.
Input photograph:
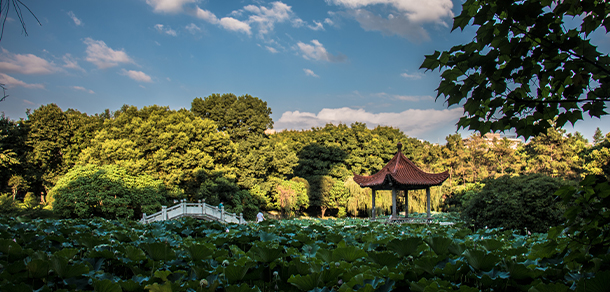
(10, 82)
(317, 26)
(270, 49)
(25, 64)
(415, 76)
(404, 97)
(412, 122)
(71, 63)
(309, 72)
(166, 30)
(193, 28)
(316, 51)
(102, 56)
(80, 88)
(77, 21)
(136, 75)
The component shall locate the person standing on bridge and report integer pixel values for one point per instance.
(220, 206)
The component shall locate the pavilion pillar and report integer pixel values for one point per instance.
(394, 216)
(428, 199)
(373, 210)
(406, 203)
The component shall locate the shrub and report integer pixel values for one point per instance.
(516, 202)
(106, 191)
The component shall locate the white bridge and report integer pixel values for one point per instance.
(197, 210)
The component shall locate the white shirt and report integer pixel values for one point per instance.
(259, 217)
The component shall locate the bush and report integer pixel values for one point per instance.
(106, 191)
(518, 202)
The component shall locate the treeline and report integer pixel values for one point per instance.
(218, 151)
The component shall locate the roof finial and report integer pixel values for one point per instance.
(399, 146)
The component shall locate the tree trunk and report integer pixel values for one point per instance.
(323, 211)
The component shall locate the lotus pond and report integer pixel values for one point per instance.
(294, 255)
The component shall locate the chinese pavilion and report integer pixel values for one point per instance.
(401, 174)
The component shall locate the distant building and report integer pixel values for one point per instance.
(514, 141)
(269, 131)
(489, 138)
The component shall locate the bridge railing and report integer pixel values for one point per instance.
(200, 209)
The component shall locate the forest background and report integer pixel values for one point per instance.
(120, 164)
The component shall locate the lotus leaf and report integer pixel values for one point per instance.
(107, 286)
(385, 258)
(440, 245)
(265, 253)
(348, 253)
(480, 260)
(405, 247)
(38, 268)
(307, 282)
(159, 251)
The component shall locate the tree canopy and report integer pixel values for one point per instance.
(530, 63)
(238, 116)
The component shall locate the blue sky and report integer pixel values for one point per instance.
(312, 61)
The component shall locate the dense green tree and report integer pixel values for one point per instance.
(169, 145)
(516, 202)
(107, 191)
(238, 116)
(290, 196)
(320, 187)
(530, 62)
(454, 155)
(598, 136)
(260, 158)
(597, 158)
(216, 187)
(504, 157)
(49, 137)
(555, 153)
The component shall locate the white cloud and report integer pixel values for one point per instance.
(102, 56)
(393, 25)
(317, 26)
(406, 19)
(206, 15)
(267, 17)
(9, 82)
(415, 76)
(83, 89)
(136, 75)
(162, 29)
(270, 49)
(25, 64)
(412, 122)
(318, 52)
(230, 23)
(193, 28)
(415, 10)
(403, 97)
(75, 19)
(329, 21)
(309, 72)
(71, 63)
(169, 6)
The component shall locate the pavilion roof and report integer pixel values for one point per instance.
(401, 173)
